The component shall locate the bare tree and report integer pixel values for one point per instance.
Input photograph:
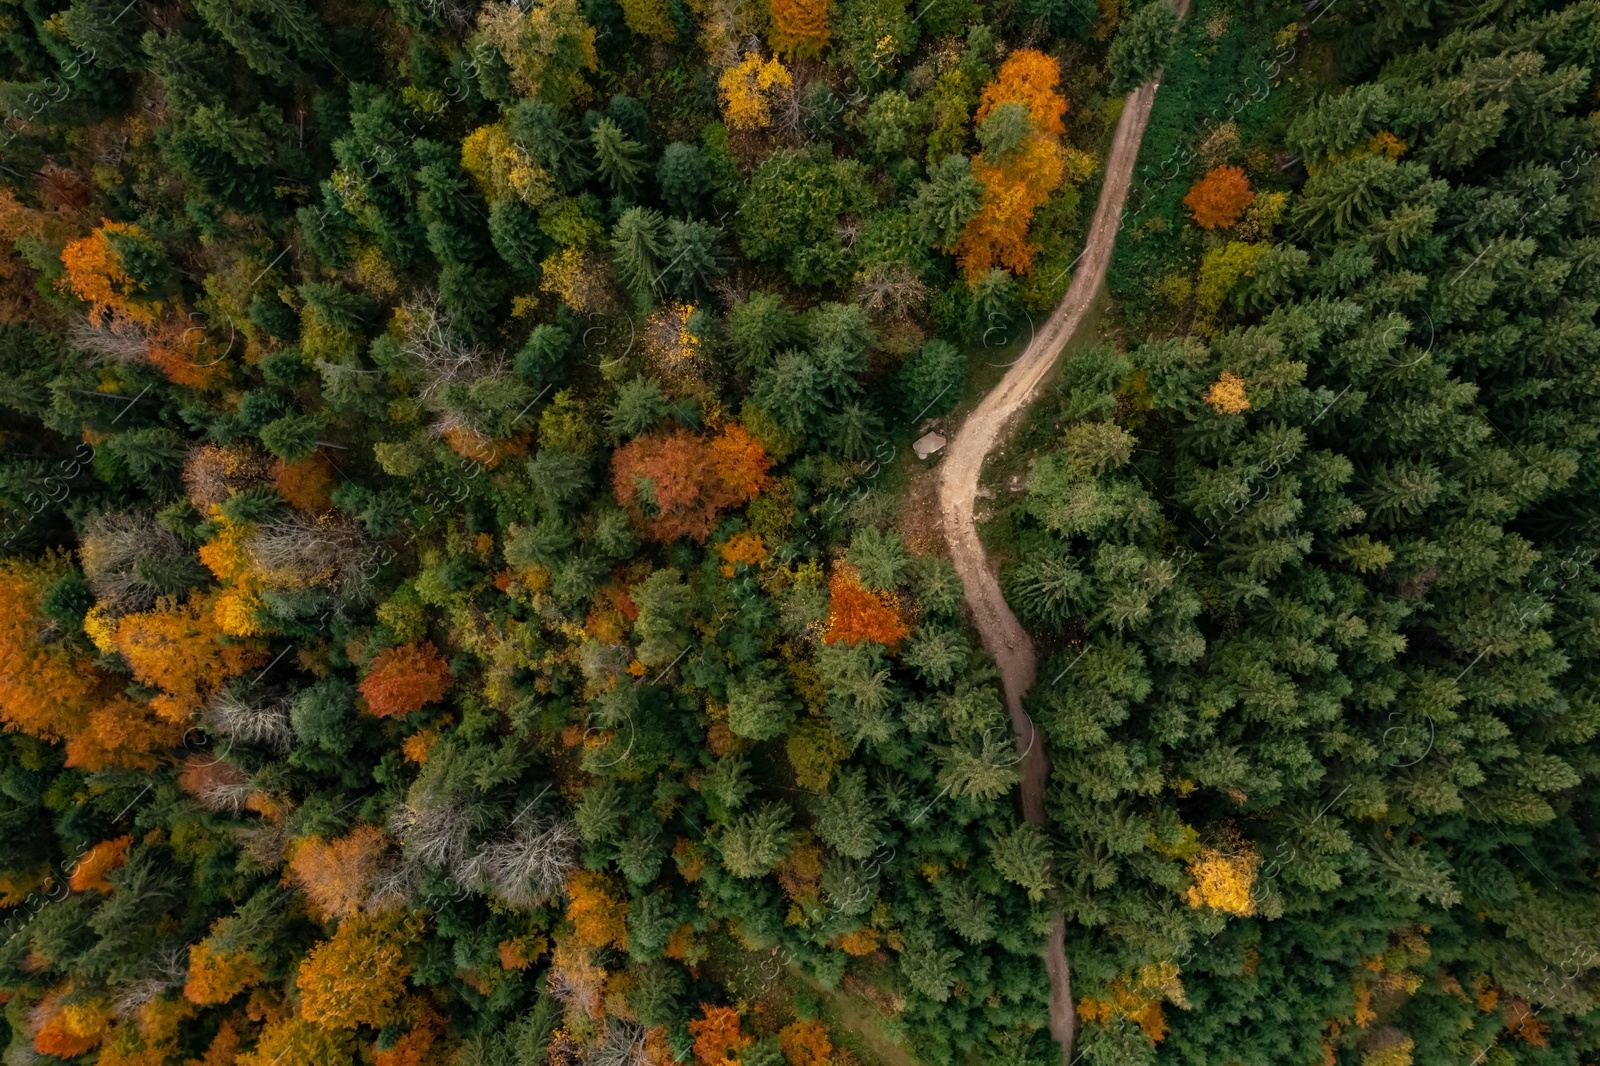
(298, 551)
(263, 721)
(114, 340)
(394, 884)
(120, 551)
(622, 1045)
(532, 863)
(890, 291)
(437, 353)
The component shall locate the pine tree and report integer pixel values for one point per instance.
(637, 245)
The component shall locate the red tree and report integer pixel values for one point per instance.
(1221, 198)
(675, 484)
(405, 679)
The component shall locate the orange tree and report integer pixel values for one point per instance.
(675, 484)
(1017, 184)
(800, 27)
(405, 679)
(1221, 198)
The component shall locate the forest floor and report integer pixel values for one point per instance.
(984, 429)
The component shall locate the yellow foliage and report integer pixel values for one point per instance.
(649, 18)
(1228, 395)
(749, 90)
(1222, 880)
(578, 277)
(226, 556)
(1222, 269)
(1395, 1051)
(502, 167)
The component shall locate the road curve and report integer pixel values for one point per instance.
(983, 429)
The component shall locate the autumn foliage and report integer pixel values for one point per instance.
(1222, 879)
(1227, 395)
(43, 690)
(356, 978)
(856, 613)
(216, 977)
(1221, 198)
(334, 874)
(405, 679)
(1015, 187)
(675, 484)
(98, 862)
(717, 1035)
(308, 484)
(181, 649)
(95, 274)
(800, 27)
(1138, 998)
(750, 89)
(599, 918)
(805, 1043)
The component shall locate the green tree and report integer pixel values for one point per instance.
(618, 158)
(684, 178)
(1144, 40)
(636, 249)
(758, 707)
(753, 843)
(947, 201)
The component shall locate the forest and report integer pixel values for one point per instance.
(469, 596)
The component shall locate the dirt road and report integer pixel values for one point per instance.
(983, 429)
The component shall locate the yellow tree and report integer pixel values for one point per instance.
(356, 978)
(750, 89)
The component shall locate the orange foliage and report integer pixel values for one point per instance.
(997, 236)
(91, 870)
(356, 978)
(334, 874)
(612, 614)
(863, 941)
(307, 484)
(405, 679)
(742, 549)
(185, 354)
(415, 1048)
(123, 734)
(224, 1047)
(598, 917)
(55, 1037)
(417, 746)
(717, 1036)
(800, 27)
(1523, 1023)
(180, 649)
(856, 614)
(1138, 998)
(1028, 77)
(675, 484)
(805, 1043)
(19, 300)
(1221, 198)
(215, 978)
(520, 953)
(44, 691)
(95, 274)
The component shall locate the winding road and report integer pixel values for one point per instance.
(985, 428)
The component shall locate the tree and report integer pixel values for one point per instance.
(181, 650)
(1022, 856)
(806, 1043)
(638, 406)
(90, 874)
(98, 273)
(931, 382)
(1144, 40)
(636, 245)
(684, 178)
(757, 707)
(1221, 198)
(847, 819)
(46, 693)
(856, 614)
(717, 1035)
(674, 484)
(216, 977)
(649, 18)
(694, 259)
(405, 679)
(546, 44)
(753, 844)
(891, 123)
(1005, 130)
(947, 202)
(928, 968)
(749, 90)
(800, 27)
(356, 978)
(758, 326)
(618, 158)
(334, 874)
(599, 918)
